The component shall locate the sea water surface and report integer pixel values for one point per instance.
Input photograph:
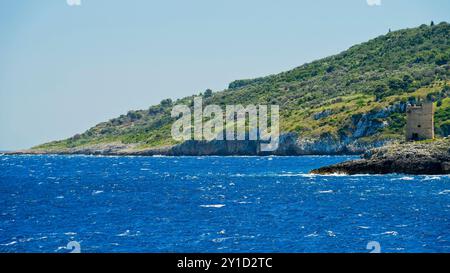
(215, 204)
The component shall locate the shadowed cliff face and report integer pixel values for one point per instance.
(409, 158)
(289, 145)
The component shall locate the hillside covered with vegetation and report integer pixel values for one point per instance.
(320, 99)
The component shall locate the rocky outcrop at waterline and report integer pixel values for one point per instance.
(431, 157)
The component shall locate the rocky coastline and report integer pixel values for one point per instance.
(289, 145)
(353, 139)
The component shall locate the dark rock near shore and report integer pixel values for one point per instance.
(408, 158)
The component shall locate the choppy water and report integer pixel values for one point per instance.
(215, 204)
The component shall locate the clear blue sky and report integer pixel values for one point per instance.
(65, 68)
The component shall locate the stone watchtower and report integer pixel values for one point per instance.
(420, 121)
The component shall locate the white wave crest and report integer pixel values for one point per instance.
(213, 206)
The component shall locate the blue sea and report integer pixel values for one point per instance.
(215, 204)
